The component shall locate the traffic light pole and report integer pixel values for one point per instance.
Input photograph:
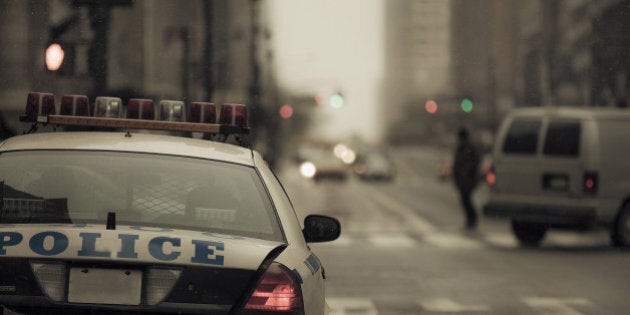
(99, 21)
(100, 16)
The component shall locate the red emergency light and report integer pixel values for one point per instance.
(74, 105)
(234, 115)
(140, 108)
(38, 103)
(202, 112)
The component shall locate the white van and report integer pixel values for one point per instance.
(556, 167)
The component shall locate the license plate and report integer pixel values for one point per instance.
(105, 286)
(556, 182)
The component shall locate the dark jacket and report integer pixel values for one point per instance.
(466, 166)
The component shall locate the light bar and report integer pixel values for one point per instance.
(126, 123)
(140, 114)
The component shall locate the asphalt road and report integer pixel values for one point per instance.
(403, 251)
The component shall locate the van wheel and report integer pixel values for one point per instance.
(620, 234)
(529, 234)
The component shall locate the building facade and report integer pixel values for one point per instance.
(216, 50)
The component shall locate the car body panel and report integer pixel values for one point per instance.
(130, 142)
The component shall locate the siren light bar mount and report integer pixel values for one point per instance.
(74, 111)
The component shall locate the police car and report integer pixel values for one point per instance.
(122, 221)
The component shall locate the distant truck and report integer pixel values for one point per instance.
(556, 167)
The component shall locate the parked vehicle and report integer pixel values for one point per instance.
(562, 168)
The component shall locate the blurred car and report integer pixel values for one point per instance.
(320, 163)
(125, 222)
(374, 165)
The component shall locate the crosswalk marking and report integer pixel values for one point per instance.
(442, 304)
(501, 240)
(556, 306)
(450, 240)
(351, 306)
(445, 305)
(417, 222)
(392, 240)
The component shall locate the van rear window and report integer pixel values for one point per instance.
(522, 137)
(563, 138)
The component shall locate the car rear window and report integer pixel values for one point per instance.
(563, 138)
(522, 137)
(141, 189)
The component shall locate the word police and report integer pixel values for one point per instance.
(92, 245)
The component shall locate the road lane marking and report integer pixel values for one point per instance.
(556, 306)
(413, 219)
(452, 241)
(342, 240)
(504, 240)
(445, 305)
(351, 306)
(392, 240)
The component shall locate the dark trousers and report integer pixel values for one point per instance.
(469, 208)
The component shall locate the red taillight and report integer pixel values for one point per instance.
(590, 182)
(277, 291)
(491, 176)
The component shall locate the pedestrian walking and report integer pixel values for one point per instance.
(466, 174)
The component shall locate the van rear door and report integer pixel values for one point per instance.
(517, 164)
(561, 167)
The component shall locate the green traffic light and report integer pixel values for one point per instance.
(336, 101)
(467, 105)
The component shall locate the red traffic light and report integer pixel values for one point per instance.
(431, 106)
(54, 57)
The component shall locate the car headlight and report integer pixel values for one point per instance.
(308, 169)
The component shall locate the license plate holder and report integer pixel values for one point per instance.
(105, 286)
(556, 182)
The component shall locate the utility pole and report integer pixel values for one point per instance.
(208, 53)
(254, 86)
(100, 16)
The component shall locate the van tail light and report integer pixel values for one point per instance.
(590, 182)
(278, 292)
(491, 176)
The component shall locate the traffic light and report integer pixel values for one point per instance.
(286, 111)
(336, 100)
(467, 105)
(431, 106)
(60, 58)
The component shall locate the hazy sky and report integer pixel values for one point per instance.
(325, 45)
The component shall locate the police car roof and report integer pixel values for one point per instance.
(138, 142)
